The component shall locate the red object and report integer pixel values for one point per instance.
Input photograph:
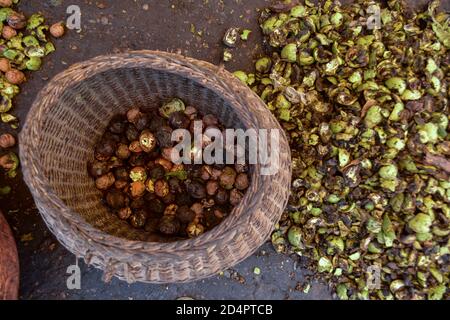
(9, 263)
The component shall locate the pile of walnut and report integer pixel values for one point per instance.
(24, 43)
(141, 184)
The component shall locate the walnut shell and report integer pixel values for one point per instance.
(15, 76)
(57, 30)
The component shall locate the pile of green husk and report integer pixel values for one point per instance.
(363, 99)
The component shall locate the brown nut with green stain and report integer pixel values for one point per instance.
(235, 197)
(195, 229)
(215, 174)
(164, 137)
(166, 164)
(178, 168)
(135, 147)
(138, 219)
(179, 120)
(157, 172)
(219, 213)
(105, 182)
(242, 181)
(98, 168)
(151, 225)
(197, 208)
(132, 133)
(104, 150)
(196, 190)
(227, 178)
(170, 198)
(7, 161)
(241, 168)
(171, 106)
(221, 196)
(169, 225)
(147, 141)
(175, 185)
(138, 174)
(137, 189)
(116, 199)
(171, 210)
(121, 173)
(150, 186)
(161, 188)
(185, 214)
(124, 213)
(117, 125)
(205, 173)
(123, 151)
(133, 115)
(166, 153)
(191, 112)
(212, 187)
(121, 184)
(210, 120)
(138, 203)
(137, 160)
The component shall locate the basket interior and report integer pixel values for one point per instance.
(79, 118)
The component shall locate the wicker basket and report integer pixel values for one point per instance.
(9, 263)
(69, 116)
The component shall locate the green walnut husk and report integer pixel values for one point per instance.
(24, 51)
(172, 106)
(245, 34)
(12, 162)
(366, 113)
(5, 190)
(181, 175)
(35, 21)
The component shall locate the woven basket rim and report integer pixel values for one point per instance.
(84, 228)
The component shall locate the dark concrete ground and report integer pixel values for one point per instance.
(117, 26)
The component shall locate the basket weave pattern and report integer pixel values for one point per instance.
(72, 112)
(9, 263)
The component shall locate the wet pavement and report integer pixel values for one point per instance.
(192, 28)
